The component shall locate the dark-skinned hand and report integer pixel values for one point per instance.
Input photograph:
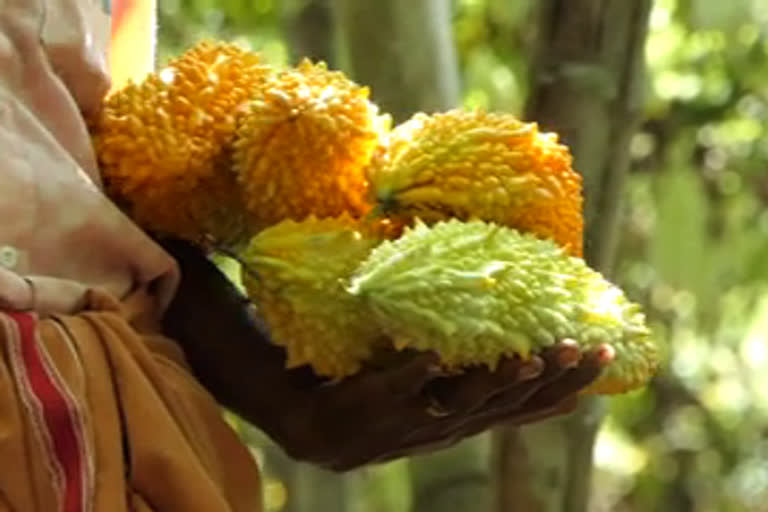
(384, 412)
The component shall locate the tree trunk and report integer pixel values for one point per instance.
(587, 84)
(456, 479)
(403, 49)
(308, 27)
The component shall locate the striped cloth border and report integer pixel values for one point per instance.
(57, 416)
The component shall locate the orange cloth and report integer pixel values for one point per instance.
(98, 413)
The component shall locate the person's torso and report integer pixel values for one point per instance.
(57, 223)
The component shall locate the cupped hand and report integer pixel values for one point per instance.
(407, 406)
(383, 414)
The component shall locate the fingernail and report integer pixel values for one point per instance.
(531, 369)
(605, 354)
(569, 355)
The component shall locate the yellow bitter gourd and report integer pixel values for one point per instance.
(474, 292)
(303, 144)
(295, 274)
(164, 144)
(489, 166)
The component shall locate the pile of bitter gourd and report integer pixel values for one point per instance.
(458, 232)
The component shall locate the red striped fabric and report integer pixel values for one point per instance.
(57, 415)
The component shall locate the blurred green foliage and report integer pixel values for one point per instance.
(694, 248)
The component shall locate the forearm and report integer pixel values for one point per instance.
(376, 415)
(225, 344)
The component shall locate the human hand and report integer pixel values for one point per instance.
(382, 414)
(403, 406)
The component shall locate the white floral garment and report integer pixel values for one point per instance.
(59, 235)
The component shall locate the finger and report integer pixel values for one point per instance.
(515, 417)
(538, 372)
(605, 354)
(476, 425)
(571, 382)
(386, 386)
(532, 386)
(563, 389)
(482, 422)
(511, 373)
(565, 406)
(397, 388)
(559, 396)
(565, 354)
(474, 388)
(557, 361)
(547, 365)
(415, 449)
(411, 377)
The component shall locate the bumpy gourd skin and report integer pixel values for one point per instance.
(295, 276)
(164, 144)
(489, 166)
(474, 292)
(303, 144)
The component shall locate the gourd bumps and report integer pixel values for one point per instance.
(164, 144)
(303, 143)
(334, 291)
(458, 233)
(300, 270)
(488, 166)
(475, 292)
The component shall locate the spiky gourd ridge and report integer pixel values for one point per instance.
(303, 143)
(489, 166)
(474, 292)
(301, 268)
(164, 144)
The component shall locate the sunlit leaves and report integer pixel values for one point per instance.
(696, 248)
